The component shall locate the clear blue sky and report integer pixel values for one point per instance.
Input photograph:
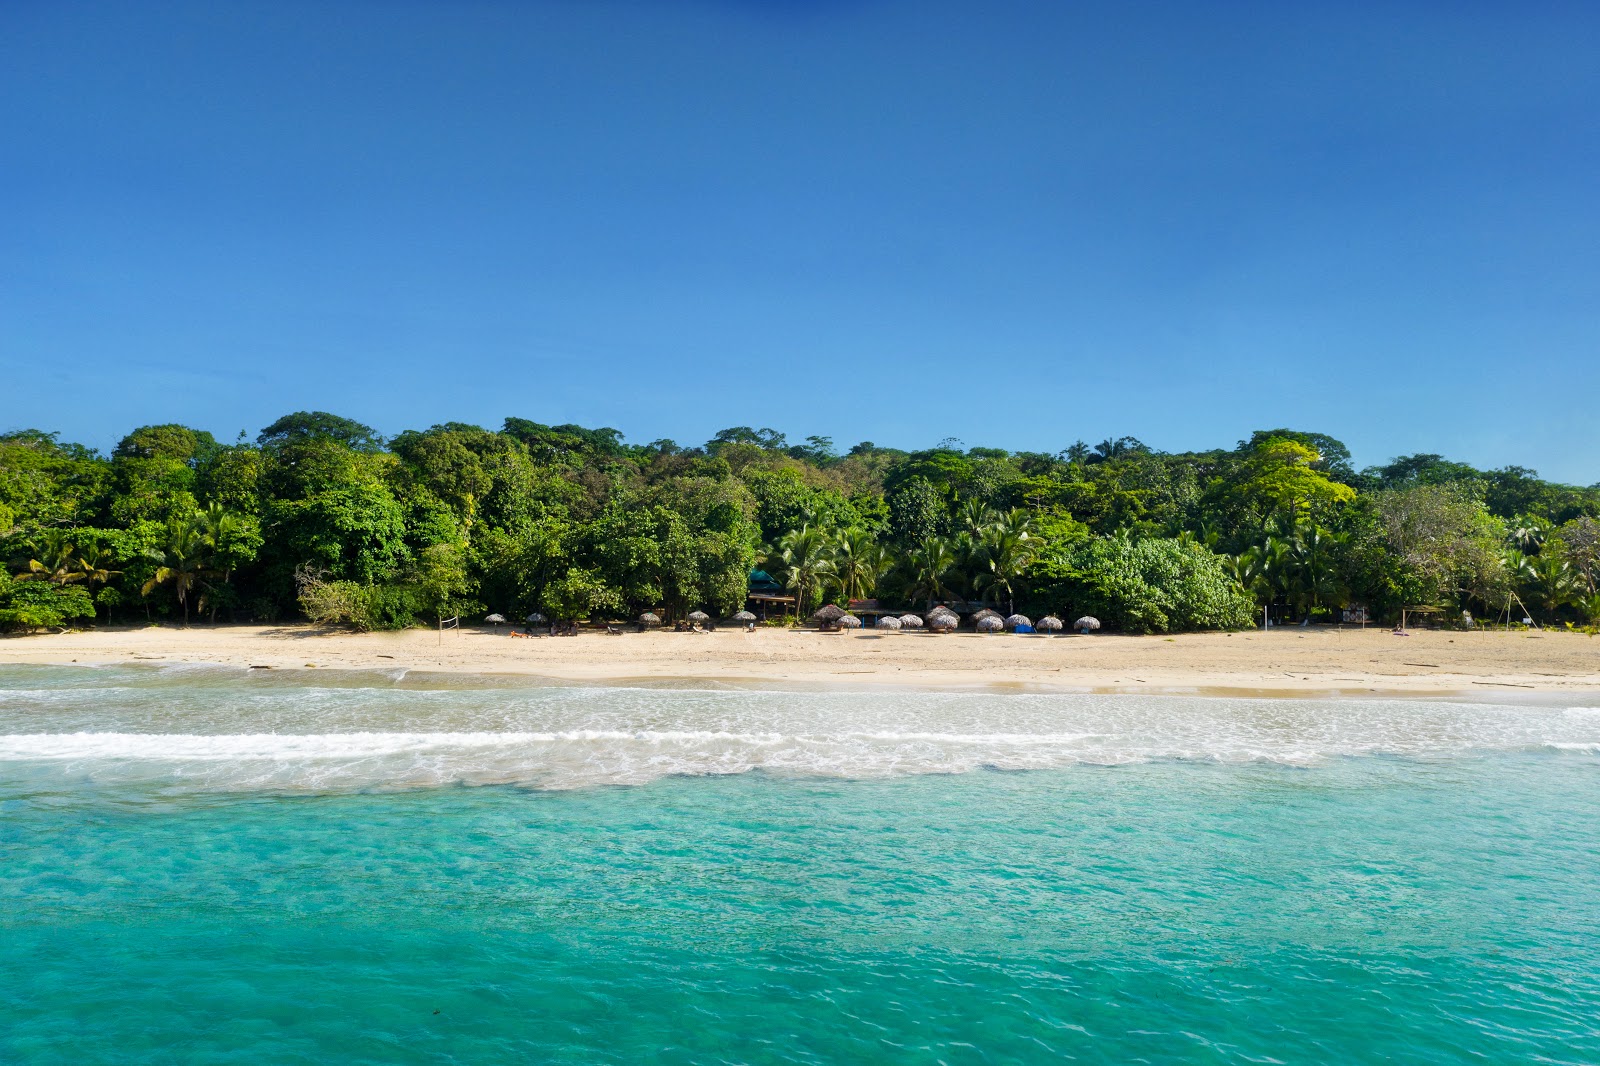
(1014, 224)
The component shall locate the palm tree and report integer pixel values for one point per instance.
(223, 529)
(1552, 584)
(858, 562)
(1315, 579)
(184, 561)
(1005, 556)
(1529, 535)
(929, 563)
(1018, 522)
(805, 558)
(976, 518)
(57, 561)
(1261, 569)
(94, 564)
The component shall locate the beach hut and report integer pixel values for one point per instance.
(827, 618)
(911, 621)
(889, 621)
(992, 624)
(1048, 624)
(1087, 624)
(850, 621)
(1015, 620)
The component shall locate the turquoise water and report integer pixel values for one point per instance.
(212, 867)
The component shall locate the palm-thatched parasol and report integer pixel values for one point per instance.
(495, 619)
(649, 618)
(945, 611)
(942, 623)
(536, 619)
(829, 612)
(1086, 624)
(699, 616)
(744, 616)
(1048, 624)
(1015, 620)
(991, 624)
(985, 613)
(888, 621)
(850, 621)
(911, 621)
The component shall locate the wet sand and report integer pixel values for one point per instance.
(1289, 661)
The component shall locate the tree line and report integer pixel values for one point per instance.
(320, 517)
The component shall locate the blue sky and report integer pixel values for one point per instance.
(1013, 224)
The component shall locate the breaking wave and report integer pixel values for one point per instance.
(235, 732)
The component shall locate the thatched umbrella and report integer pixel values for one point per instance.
(496, 620)
(911, 621)
(944, 611)
(744, 616)
(1087, 623)
(991, 624)
(942, 623)
(649, 618)
(1048, 624)
(537, 619)
(850, 621)
(889, 621)
(985, 613)
(699, 616)
(1015, 620)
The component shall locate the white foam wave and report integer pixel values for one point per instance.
(244, 732)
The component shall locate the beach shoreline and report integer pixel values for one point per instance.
(1279, 663)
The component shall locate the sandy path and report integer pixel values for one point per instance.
(1278, 661)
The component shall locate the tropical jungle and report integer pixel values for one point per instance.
(321, 518)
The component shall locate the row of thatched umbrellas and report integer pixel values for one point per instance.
(943, 620)
(939, 620)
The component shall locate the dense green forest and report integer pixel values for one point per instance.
(320, 517)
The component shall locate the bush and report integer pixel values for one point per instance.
(1149, 586)
(363, 607)
(30, 605)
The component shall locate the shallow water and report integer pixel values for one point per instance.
(210, 865)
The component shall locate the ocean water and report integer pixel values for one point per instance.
(209, 865)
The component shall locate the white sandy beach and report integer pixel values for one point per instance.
(1281, 661)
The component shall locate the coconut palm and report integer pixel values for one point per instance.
(1529, 534)
(1551, 583)
(225, 530)
(1003, 559)
(805, 559)
(859, 560)
(185, 559)
(929, 565)
(56, 562)
(976, 518)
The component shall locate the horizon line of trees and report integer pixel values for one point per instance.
(320, 517)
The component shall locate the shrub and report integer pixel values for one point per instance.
(1148, 586)
(30, 605)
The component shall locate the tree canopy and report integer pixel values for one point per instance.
(321, 517)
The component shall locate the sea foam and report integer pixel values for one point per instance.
(241, 732)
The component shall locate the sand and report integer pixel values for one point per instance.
(1289, 661)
